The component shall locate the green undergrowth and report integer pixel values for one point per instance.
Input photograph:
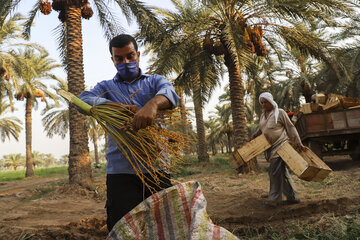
(60, 171)
(44, 189)
(39, 172)
(326, 228)
(216, 164)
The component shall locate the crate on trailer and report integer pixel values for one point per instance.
(316, 107)
(251, 149)
(320, 98)
(305, 164)
(348, 102)
(306, 108)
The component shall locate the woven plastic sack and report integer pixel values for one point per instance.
(178, 212)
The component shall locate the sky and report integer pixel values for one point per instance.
(97, 67)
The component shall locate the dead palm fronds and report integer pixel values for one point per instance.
(148, 150)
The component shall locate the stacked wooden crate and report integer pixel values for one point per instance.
(305, 164)
(333, 102)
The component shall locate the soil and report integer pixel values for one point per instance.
(46, 208)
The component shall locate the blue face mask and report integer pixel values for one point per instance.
(127, 70)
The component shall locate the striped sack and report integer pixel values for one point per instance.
(178, 212)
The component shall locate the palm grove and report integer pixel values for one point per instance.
(286, 47)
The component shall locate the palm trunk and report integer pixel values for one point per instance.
(238, 107)
(95, 140)
(28, 135)
(213, 148)
(203, 156)
(79, 160)
(183, 112)
(229, 141)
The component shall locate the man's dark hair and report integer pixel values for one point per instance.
(121, 41)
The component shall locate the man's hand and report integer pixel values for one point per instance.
(132, 108)
(145, 116)
(300, 147)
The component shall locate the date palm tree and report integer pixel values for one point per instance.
(14, 160)
(95, 132)
(238, 29)
(56, 118)
(32, 69)
(224, 118)
(10, 32)
(71, 50)
(213, 133)
(9, 126)
(178, 50)
(38, 159)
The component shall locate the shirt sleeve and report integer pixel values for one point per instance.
(257, 133)
(93, 97)
(165, 88)
(290, 128)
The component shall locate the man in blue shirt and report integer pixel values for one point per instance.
(124, 188)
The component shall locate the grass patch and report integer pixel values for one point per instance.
(51, 171)
(326, 228)
(264, 169)
(315, 185)
(96, 172)
(41, 172)
(25, 236)
(45, 189)
(184, 172)
(218, 163)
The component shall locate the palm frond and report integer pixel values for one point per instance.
(30, 19)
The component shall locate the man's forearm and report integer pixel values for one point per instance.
(160, 102)
(145, 116)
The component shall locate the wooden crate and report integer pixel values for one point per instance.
(236, 160)
(320, 98)
(335, 104)
(348, 102)
(250, 150)
(306, 165)
(314, 161)
(306, 108)
(315, 107)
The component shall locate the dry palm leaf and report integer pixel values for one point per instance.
(152, 149)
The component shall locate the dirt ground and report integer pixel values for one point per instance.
(41, 208)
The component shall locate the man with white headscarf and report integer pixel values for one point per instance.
(277, 128)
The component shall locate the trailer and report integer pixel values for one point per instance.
(330, 133)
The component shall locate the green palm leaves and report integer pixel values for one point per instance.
(9, 126)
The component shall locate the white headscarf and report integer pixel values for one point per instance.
(270, 99)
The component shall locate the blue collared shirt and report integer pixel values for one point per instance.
(117, 90)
